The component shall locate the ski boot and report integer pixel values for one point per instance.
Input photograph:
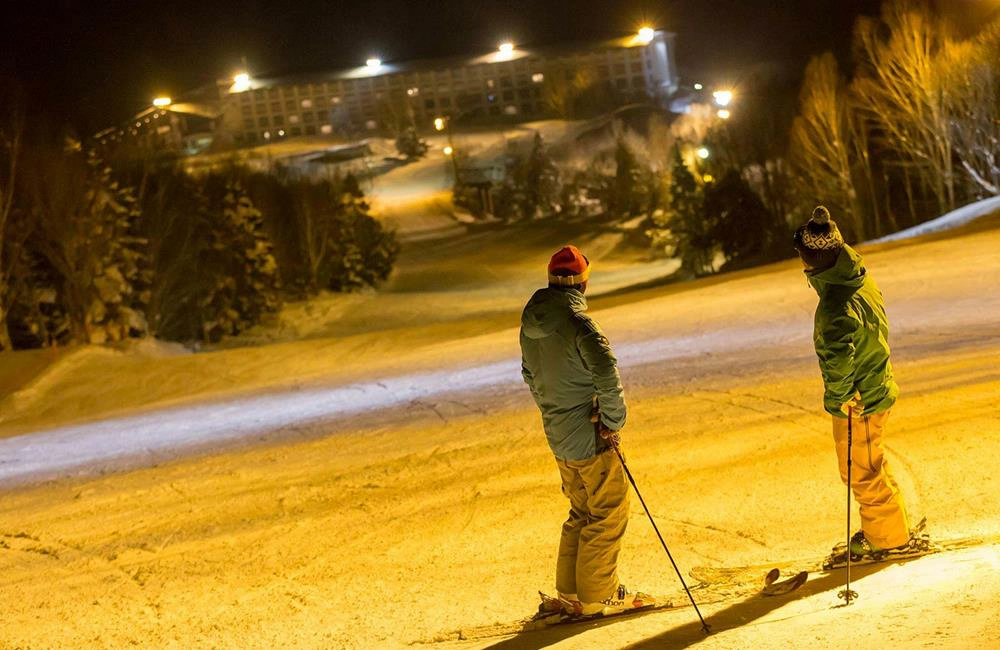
(621, 601)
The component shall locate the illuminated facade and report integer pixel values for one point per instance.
(510, 84)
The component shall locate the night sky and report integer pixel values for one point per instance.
(93, 64)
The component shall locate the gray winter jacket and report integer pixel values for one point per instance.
(566, 360)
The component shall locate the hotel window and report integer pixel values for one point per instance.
(296, 130)
(307, 103)
(289, 104)
(538, 77)
(636, 66)
(293, 119)
(275, 107)
(262, 120)
(619, 68)
(279, 120)
(326, 129)
(307, 117)
(310, 130)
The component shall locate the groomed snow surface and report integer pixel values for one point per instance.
(376, 477)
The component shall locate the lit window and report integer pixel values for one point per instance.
(510, 110)
(335, 100)
(307, 103)
(326, 129)
(538, 77)
(371, 125)
(293, 119)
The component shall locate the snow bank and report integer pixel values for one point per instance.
(953, 219)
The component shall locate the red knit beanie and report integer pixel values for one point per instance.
(568, 267)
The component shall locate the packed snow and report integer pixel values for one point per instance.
(378, 477)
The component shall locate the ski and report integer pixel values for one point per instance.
(775, 587)
(750, 574)
(550, 614)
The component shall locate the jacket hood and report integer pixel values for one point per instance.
(847, 271)
(549, 309)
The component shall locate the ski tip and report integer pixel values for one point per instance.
(772, 576)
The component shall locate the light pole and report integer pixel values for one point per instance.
(444, 124)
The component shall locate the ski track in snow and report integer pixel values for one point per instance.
(57, 451)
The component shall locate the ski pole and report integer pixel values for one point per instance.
(847, 594)
(614, 445)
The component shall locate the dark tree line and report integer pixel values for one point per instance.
(94, 253)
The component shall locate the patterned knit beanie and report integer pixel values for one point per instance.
(819, 241)
(568, 267)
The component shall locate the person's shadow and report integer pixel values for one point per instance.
(683, 636)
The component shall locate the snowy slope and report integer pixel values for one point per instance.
(949, 221)
(389, 507)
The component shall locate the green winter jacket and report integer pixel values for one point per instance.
(851, 335)
(566, 361)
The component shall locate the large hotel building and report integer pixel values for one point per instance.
(512, 83)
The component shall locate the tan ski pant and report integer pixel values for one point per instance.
(883, 513)
(592, 535)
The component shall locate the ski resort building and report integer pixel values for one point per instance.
(510, 84)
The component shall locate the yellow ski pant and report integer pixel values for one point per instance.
(592, 534)
(883, 513)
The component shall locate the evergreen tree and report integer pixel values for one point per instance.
(541, 181)
(689, 232)
(85, 263)
(245, 283)
(363, 251)
(739, 223)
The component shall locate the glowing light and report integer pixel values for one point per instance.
(505, 51)
(161, 102)
(724, 113)
(241, 83)
(723, 97)
(374, 62)
(281, 133)
(708, 178)
(646, 35)
(538, 78)
(448, 150)
(698, 86)
(702, 152)
(439, 124)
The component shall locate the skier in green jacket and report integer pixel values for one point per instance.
(851, 335)
(573, 376)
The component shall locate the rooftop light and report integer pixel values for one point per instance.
(646, 35)
(506, 47)
(698, 86)
(161, 102)
(724, 113)
(241, 83)
(374, 62)
(439, 124)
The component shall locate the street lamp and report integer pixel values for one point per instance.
(723, 97)
(702, 152)
(441, 124)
